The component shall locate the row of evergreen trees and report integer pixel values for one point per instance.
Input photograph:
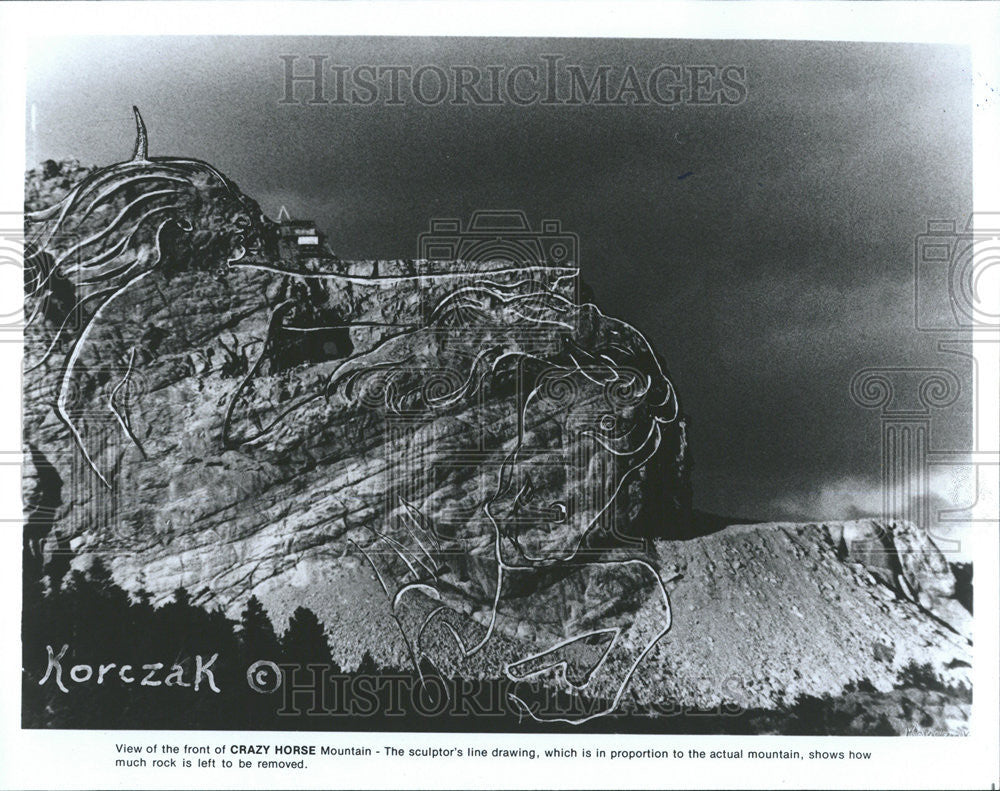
(101, 623)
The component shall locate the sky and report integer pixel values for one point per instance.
(765, 248)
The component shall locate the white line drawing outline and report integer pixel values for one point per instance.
(536, 308)
(118, 268)
(350, 378)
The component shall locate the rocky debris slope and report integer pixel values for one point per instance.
(209, 498)
(778, 611)
(763, 614)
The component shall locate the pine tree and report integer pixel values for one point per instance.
(304, 641)
(105, 586)
(367, 666)
(143, 597)
(182, 598)
(257, 636)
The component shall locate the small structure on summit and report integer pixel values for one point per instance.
(301, 241)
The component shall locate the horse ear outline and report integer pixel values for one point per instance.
(141, 152)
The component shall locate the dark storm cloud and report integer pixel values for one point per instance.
(765, 248)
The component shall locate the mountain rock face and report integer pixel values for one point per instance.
(238, 423)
